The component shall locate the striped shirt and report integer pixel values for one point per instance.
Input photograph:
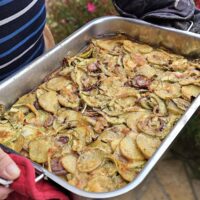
(21, 33)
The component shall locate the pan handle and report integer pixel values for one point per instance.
(190, 27)
(38, 170)
(7, 183)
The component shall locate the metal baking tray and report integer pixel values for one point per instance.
(24, 81)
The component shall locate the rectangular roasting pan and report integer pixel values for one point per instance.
(24, 81)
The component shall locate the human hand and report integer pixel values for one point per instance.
(8, 171)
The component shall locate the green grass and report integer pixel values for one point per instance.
(66, 16)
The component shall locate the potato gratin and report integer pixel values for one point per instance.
(96, 121)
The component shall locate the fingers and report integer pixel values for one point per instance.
(4, 192)
(8, 168)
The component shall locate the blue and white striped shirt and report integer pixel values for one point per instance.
(21, 33)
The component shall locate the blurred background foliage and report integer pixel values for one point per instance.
(187, 145)
(66, 16)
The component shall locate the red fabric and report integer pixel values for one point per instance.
(197, 2)
(25, 187)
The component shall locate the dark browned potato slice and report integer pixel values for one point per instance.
(147, 144)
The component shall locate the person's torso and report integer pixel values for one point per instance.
(21, 28)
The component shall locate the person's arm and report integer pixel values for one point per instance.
(8, 171)
(48, 38)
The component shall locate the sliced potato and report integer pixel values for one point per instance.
(137, 165)
(147, 144)
(68, 99)
(57, 83)
(146, 70)
(179, 64)
(143, 48)
(102, 146)
(190, 91)
(108, 169)
(69, 163)
(89, 160)
(139, 59)
(129, 64)
(113, 120)
(129, 149)
(152, 101)
(113, 133)
(42, 119)
(119, 181)
(114, 144)
(134, 117)
(39, 149)
(110, 85)
(49, 101)
(100, 184)
(155, 125)
(131, 46)
(172, 107)
(94, 99)
(181, 103)
(166, 90)
(108, 45)
(17, 145)
(158, 58)
(29, 98)
(126, 173)
(191, 76)
(8, 133)
(171, 77)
